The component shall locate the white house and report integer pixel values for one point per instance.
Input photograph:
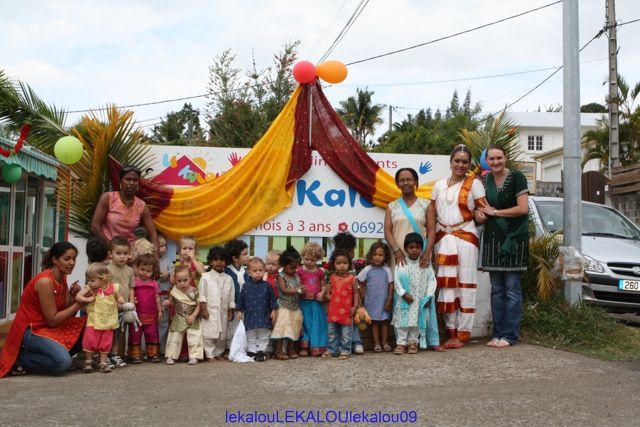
(541, 140)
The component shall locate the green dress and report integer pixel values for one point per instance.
(505, 241)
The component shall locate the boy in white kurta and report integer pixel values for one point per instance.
(217, 303)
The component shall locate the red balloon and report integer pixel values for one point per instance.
(304, 72)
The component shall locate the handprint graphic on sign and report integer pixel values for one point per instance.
(425, 167)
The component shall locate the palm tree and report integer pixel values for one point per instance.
(360, 116)
(114, 133)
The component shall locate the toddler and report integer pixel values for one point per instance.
(187, 247)
(257, 308)
(314, 317)
(237, 257)
(414, 316)
(343, 303)
(273, 270)
(217, 301)
(376, 282)
(146, 296)
(184, 299)
(122, 274)
(347, 241)
(103, 299)
(289, 320)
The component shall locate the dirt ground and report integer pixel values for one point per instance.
(522, 385)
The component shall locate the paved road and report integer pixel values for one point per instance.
(523, 385)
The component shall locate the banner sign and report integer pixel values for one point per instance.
(322, 204)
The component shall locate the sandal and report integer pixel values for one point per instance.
(453, 344)
(377, 348)
(386, 347)
(303, 353)
(327, 355)
(413, 348)
(281, 356)
(502, 343)
(88, 366)
(493, 342)
(104, 368)
(18, 371)
(293, 355)
(436, 348)
(399, 349)
(343, 356)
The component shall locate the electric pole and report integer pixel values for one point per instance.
(572, 211)
(614, 143)
(390, 118)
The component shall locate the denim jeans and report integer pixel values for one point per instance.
(356, 339)
(44, 355)
(340, 337)
(506, 304)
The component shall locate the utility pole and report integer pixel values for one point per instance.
(390, 118)
(614, 135)
(572, 213)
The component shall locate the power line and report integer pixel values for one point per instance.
(328, 29)
(347, 26)
(461, 79)
(454, 34)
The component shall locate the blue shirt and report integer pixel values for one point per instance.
(256, 302)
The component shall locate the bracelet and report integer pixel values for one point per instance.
(495, 212)
(396, 250)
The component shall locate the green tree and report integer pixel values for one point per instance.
(432, 133)
(597, 141)
(241, 108)
(593, 107)
(360, 115)
(179, 128)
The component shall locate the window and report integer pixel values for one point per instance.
(534, 143)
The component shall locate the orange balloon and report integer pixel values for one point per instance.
(332, 71)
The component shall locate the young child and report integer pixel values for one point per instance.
(258, 309)
(103, 299)
(121, 274)
(184, 298)
(289, 320)
(376, 281)
(164, 276)
(141, 245)
(314, 318)
(146, 296)
(273, 269)
(187, 247)
(344, 300)
(237, 257)
(415, 287)
(347, 241)
(97, 249)
(217, 301)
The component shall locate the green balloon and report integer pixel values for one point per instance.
(68, 150)
(11, 173)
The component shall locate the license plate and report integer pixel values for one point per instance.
(629, 285)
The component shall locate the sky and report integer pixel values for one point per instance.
(84, 54)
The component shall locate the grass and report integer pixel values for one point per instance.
(583, 329)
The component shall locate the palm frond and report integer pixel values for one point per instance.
(20, 105)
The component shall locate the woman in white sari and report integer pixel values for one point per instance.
(453, 200)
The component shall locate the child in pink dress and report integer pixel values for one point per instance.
(146, 296)
(314, 317)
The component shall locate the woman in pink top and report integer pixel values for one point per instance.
(118, 213)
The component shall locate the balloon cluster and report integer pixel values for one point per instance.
(330, 71)
(483, 163)
(68, 150)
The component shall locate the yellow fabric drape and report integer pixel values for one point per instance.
(250, 193)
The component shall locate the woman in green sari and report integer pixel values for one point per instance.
(505, 245)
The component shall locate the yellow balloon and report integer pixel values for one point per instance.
(332, 71)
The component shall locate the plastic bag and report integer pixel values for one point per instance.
(570, 263)
(238, 350)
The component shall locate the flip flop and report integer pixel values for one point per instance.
(387, 348)
(502, 343)
(377, 348)
(493, 342)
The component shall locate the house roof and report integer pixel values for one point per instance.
(31, 159)
(552, 120)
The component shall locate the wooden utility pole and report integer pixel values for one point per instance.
(390, 118)
(614, 141)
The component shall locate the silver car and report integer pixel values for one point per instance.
(611, 244)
